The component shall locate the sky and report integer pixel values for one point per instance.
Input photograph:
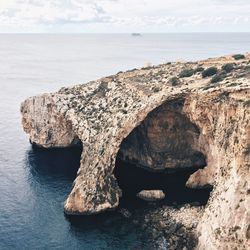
(124, 16)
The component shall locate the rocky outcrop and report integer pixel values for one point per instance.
(151, 195)
(155, 118)
(45, 125)
(169, 227)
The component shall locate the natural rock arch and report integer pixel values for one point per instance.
(160, 153)
(165, 139)
(103, 113)
(179, 150)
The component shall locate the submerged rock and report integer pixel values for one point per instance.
(141, 117)
(151, 195)
(125, 212)
(171, 228)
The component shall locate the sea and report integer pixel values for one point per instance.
(35, 183)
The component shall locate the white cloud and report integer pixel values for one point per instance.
(160, 15)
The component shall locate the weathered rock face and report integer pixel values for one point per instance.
(44, 124)
(192, 124)
(224, 120)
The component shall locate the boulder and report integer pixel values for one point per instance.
(151, 195)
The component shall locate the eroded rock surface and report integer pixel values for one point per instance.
(45, 125)
(210, 125)
(164, 140)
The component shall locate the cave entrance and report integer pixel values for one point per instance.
(160, 154)
(133, 178)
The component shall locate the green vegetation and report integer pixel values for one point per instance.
(219, 77)
(132, 70)
(186, 73)
(174, 81)
(209, 72)
(233, 84)
(199, 69)
(238, 56)
(228, 67)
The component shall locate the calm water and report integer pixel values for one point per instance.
(35, 183)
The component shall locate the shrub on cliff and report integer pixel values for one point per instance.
(219, 77)
(238, 56)
(228, 67)
(209, 72)
(186, 73)
(174, 81)
(199, 69)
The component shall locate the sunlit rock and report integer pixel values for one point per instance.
(151, 195)
(149, 119)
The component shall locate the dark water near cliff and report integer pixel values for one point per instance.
(34, 185)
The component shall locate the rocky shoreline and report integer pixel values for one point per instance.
(170, 227)
(174, 116)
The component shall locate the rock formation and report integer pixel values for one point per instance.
(161, 118)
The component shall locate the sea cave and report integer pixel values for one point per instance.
(160, 154)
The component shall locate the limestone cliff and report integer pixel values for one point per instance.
(163, 117)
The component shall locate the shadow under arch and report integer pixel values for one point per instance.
(161, 153)
(58, 163)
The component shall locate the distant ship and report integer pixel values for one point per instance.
(136, 34)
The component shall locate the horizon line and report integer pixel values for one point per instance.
(113, 33)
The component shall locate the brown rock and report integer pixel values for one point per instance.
(203, 123)
(151, 195)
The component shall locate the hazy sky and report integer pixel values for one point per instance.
(109, 16)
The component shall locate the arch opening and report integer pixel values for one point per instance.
(161, 154)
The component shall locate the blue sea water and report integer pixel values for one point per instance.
(35, 183)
